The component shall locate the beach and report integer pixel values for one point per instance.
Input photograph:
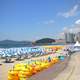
(7, 66)
(67, 70)
(51, 72)
(72, 71)
(63, 70)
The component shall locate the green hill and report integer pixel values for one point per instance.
(44, 41)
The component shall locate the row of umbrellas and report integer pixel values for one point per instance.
(24, 50)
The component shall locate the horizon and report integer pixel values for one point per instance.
(32, 20)
(29, 40)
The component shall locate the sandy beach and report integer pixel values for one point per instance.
(72, 71)
(51, 72)
(65, 70)
(4, 69)
(7, 66)
(60, 72)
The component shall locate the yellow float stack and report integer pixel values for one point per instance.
(22, 71)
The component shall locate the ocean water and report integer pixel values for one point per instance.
(26, 45)
(13, 46)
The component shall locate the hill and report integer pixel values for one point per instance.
(11, 43)
(44, 41)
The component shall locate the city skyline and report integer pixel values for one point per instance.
(36, 19)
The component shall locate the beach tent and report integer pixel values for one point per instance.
(77, 43)
(75, 47)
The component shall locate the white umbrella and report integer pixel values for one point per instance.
(77, 43)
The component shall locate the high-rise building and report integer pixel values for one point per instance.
(78, 36)
(69, 37)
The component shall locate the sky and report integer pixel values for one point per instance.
(36, 19)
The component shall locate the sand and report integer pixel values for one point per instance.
(4, 69)
(51, 72)
(72, 72)
(7, 66)
(57, 72)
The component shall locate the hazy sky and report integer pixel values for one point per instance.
(34, 19)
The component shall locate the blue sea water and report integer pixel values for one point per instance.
(13, 46)
(24, 45)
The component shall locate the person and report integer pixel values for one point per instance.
(49, 59)
(66, 51)
(7, 59)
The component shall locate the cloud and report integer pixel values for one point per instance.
(71, 12)
(73, 29)
(77, 22)
(77, 27)
(65, 28)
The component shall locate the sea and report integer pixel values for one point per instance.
(28, 45)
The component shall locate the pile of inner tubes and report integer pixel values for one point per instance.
(23, 71)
